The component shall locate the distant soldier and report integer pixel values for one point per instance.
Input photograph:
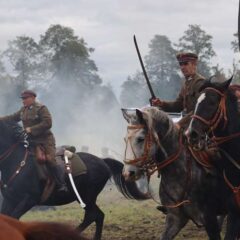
(189, 92)
(37, 122)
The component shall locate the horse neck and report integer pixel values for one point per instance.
(10, 163)
(172, 144)
(232, 127)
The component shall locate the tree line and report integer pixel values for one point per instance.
(163, 69)
(60, 64)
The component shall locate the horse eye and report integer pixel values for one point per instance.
(140, 139)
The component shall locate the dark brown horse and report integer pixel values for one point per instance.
(216, 122)
(12, 229)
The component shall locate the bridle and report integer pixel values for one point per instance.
(146, 162)
(220, 114)
(149, 165)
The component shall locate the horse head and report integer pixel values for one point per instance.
(146, 132)
(210, 114)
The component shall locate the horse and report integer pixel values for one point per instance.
(188, 190)
(10, 228)
(216, 122)
(22, 187)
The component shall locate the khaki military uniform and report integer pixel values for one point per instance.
(38, 118)
(186, 99)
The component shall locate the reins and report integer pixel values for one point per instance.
(5, 156)
(146, 162)
(149, 165)
(220, 113)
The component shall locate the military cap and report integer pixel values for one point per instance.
(183, 57)
(28, 93)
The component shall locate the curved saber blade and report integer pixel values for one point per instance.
(239, 24)
(83, 205)
(143, 68)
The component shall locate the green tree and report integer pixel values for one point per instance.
(162, 67)
(134, 92)
(198, 41)
(68, 57)
(162, 70)
(22, 53)
(234, 43)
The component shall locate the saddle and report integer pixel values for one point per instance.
(77, 167)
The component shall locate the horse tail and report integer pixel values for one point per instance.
(53, 231)
(128, 188)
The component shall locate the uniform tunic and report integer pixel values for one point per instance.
(186, 99)
(39, 119)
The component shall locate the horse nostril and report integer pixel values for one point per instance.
(193, 135)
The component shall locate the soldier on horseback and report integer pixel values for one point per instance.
(37, 122)
(189, 92)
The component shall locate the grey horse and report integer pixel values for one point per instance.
(188, 190)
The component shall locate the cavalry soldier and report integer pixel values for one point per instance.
(37, 122)
(189, 92)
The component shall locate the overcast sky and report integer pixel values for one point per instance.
(109, 25)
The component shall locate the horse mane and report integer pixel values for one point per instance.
(157, 116)
(38, 230)
(15, 130)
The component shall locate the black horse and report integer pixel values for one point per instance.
(22, 188)
(216, 122)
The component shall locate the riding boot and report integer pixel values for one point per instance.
(59, 177)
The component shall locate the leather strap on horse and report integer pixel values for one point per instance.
(235, 190)
(221, 140)
(187, 186)
(19, 168)
(201, 157)
(220, 113)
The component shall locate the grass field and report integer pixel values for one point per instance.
(124, 219)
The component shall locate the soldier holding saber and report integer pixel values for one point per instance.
(190, 91)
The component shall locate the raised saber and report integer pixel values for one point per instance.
(83, 205)
(143, 68)
(239, 24)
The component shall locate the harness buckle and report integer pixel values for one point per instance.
(22, 163)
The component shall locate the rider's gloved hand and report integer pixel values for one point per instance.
(156, 102)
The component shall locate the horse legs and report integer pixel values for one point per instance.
(212, 226)
(7, 207)
(17, 210)
(233, 226)
(93, 214)
(174, 223)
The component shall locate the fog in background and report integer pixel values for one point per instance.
(92, 124)
(85, 111)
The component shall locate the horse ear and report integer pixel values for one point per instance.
(126, 115)
(142, 116)
(227, 83)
